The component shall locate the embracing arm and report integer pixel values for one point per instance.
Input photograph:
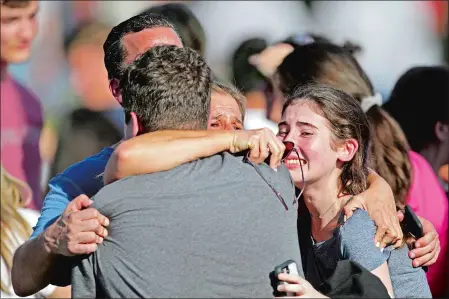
(163, 150)
(46, 258)
(33, 262)
(32, 267)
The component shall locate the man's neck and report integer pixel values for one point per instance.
(3, 70)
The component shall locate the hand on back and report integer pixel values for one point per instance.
(78, 230)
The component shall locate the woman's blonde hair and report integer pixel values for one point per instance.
(14, 228)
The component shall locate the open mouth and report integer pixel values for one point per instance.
(295, 161)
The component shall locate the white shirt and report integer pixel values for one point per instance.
(31, 217)
(256, 119)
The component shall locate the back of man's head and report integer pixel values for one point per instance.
(186, 23)
(114, 49)
(168, 88)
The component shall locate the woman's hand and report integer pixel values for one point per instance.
(261, 142)
(427, 249)
(378, 201)
(299, 286)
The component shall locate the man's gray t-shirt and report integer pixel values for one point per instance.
(209, 228)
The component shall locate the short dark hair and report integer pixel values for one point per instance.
(186, 23)
(246, 76)
(168, 88)
(114, 52)
(418, 101)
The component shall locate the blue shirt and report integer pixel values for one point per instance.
(80, 178)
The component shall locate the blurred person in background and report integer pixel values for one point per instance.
(16, 226)
(336, 66)
(268, 60)
(420, 104)
(253, 84)
(245, 19)
(98, 123)
(21, 113)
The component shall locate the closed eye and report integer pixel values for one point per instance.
(305, 134)
(9, 20)
(282, 133)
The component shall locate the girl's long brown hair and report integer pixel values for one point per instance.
(14, 228)
(334, 65)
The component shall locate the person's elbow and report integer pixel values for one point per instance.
(17, 279)
(115, 169)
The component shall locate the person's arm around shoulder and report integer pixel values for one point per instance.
(62, 190)
(163, 150)
(35, 261)
(51, 291)
(40, 261)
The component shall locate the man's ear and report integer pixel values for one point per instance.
(136, 126)
(114, 87)
(347, 150)
(442, 131)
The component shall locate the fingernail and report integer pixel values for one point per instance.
(378, 244)
(417, 245)
(415, 264)
(278, 287)
(106, 223)
(344, 218)
(412, 255)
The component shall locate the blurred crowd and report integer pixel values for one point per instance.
(59, 104)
